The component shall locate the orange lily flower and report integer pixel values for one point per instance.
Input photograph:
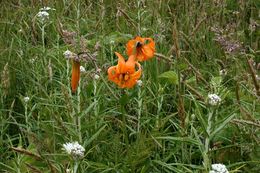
(75, 75)
(142, 48)
(124, 73)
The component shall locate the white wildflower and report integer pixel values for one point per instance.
(223, 72)
(193, 116)
(74, 149)
(214, 99)
(43, 16)
(68, 54)
(82, 69)
(32, 60)
(218, 168)
(139, 83)
(26, 99)
(46, 9)
(96, 76)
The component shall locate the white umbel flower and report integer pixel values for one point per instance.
(26, 99)
(223, 72)
(68, 54)
(218, 168)
(96, 76)
(43, 16)
(46, 9)
(214, 99)
(74, 149)
(82, 69)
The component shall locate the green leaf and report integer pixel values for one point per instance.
(170, 76)
(223, 124)
(88, 141)
(124, 99)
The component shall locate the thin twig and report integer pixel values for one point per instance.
(253, 74)
(131, 21)
(246, 122)
(196, 71)
(26, 152)
(194, 91)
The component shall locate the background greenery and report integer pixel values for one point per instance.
(161, 126)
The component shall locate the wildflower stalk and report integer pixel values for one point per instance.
(26, 116)
(75, 167)
(43, 37)
(139, 17)
(159, 105)
(78, 120)
(124, 125)
(95, 101)
(206, 158)
(139, 110)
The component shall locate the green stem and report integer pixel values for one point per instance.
(139, 17)
(43, 36)
(78, 114)
(95, 101)
(75, 168)
(139, 111)
(26, 117)
(206, 157)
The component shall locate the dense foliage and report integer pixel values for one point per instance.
(197, 103)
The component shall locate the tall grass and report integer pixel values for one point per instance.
(164, 125)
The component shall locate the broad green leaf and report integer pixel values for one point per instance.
(170, 76)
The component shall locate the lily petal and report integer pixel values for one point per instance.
(75, 75)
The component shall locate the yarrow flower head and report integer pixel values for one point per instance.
(223, 72)
(218, 168)
(214, 99)
(46, 9)
(26, 99)
(68, 54)
(82, 69)
(43, 16)
(74, 149)
(96, 76)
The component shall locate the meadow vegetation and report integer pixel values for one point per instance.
(196, 103)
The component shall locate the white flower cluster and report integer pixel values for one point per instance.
(26, 99)
(214, 99)
(74, 149)
(223, 72)
(46, 9)
(82, 69)
(43, 14)
(96, 76)
(67, 54)
(218, 168)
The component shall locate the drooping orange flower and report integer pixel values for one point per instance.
(142, 48)
(75, 75)
(124, 73)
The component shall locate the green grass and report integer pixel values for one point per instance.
(166, 125)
